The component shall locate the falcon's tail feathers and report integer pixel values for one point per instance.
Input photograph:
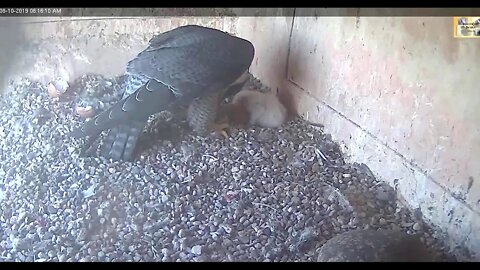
(147, 100)
(121, 141)
(126, 120)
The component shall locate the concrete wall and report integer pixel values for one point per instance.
(398, 93)
(43, 48)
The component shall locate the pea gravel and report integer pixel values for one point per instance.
(261, 195)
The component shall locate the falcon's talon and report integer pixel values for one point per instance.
(219, 128)
(224, 134)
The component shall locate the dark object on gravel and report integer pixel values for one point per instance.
(374, 246)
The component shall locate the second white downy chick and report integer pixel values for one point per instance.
(257, 108)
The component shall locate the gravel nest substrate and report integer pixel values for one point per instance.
(262, 195)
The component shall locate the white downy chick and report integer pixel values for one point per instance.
(257, 108)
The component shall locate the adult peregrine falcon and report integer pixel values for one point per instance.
(188, 66)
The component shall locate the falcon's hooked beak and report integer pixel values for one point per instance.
(237, 86)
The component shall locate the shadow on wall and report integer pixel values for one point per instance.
(288, 100)
(285, 94)
(12, 33)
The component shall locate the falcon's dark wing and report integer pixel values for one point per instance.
(194, 60)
